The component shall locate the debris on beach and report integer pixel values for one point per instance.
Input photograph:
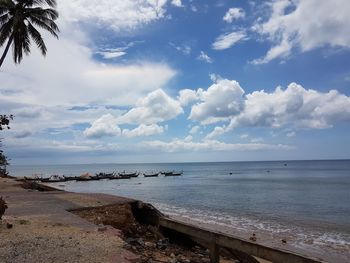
(144, 240)
(253, 238)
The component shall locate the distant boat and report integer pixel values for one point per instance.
(70, 178)
(101, 176)
(53, 179)
(125, 175)
(173, 173)
(167, 173)
(151, 175)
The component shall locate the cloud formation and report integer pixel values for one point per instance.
(204, 57)
(144, 130)
(118, 15)
(220, 101)
(107, 125)
(178, 145)
(233, 14)
(227, 40)
(177, 3)
(78, 79)
(156, 107)
(294, 107)
(311, 24)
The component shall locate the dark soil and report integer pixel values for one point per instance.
(144, 240)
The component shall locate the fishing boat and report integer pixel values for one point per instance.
(173, 173)
(53, 179)
(167, 173)
(151, 175)
(125, 175)
(101, 176)
(70, 178)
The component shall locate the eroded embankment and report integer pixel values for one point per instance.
(141, 235)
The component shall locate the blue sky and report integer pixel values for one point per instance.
(190, 80)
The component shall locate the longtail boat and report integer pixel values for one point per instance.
(151, 175)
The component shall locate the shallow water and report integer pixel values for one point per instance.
(307, 202)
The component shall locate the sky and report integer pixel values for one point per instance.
(183, 81)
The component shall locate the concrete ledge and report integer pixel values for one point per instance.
(230, 242)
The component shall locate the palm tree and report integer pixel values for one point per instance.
(17, 21)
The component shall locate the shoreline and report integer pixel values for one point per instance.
(47, 226)
(74, 198)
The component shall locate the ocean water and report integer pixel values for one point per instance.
(305, 202)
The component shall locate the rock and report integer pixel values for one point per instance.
(253, 237)
(150, 245)
(9, 225)
(163, 243)
(135, 242)
(102, 228)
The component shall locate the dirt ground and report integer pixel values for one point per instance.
(36, 240)
(145, 241)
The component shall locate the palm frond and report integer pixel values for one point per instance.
(28, 3)
(7, 4)
(46, 24)
(4, 18)
(39, 12)
(21, 43)
(5, 31)
(36, 36)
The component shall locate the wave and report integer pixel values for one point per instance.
(300, 238)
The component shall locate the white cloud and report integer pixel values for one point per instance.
(194, 129)
(177, 3)
(144, 130)
(156, 107)
(186, 49)
(178, 145)
(36, 118)
(107, 125)
(291, 134)
(113, 53)
(186, 96)
(216, 132)
(78, 79)
(244, 136)
(233, 14)
(293, 107)
(204, 57)
(116, 14)
(310, 24)
(256, 140)
(227, 40)
(220, 101)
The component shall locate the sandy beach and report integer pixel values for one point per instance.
(38, 227)
(60, 226)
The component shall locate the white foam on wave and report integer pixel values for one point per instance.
(298, 237)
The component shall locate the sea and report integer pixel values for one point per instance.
(306, 203)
